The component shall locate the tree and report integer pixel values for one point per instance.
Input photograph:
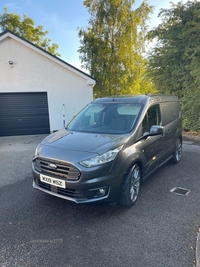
(113, 44)
(174, 63)
(25, 28)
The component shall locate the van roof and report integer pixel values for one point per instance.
(143, 99)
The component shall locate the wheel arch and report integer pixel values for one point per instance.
(127, 197)
(179, 134)
(131, 164)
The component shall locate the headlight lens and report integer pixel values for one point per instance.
(37, 150)
(102, 159)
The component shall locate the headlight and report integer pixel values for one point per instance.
(102, 159)
(37, 150)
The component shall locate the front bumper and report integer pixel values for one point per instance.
(106, 188)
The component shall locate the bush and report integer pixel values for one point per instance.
(190, 105)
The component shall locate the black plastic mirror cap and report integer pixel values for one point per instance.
(156, 130)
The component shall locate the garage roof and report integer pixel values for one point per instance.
(9, 34)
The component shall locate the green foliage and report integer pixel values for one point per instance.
(112, 46)
(174, 62)
(191, 110)
(26, 29)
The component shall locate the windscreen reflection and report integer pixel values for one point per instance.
(107, 118)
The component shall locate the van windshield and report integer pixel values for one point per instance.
(107, 118)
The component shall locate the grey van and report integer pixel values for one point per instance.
(109, 148)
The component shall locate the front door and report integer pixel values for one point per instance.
(153, 146)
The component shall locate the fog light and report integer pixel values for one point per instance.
(99, 192)
(102, 191)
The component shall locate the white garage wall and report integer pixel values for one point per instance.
(34, 71)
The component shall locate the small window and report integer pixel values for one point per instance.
(170, 112)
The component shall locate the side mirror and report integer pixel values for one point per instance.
(156, 130)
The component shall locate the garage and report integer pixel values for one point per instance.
(38, 91)
(24, 113)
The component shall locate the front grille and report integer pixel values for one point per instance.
(63, 170)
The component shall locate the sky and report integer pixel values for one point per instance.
(61, 19)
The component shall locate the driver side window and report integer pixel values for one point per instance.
(152, 117)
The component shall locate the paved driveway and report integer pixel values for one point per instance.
(40, 230)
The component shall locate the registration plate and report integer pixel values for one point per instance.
(52, 181)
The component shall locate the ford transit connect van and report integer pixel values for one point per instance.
(109, 148)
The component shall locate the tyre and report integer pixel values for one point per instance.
(131, 186)
(177, 152)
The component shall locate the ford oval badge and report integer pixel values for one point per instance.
(52, 166)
